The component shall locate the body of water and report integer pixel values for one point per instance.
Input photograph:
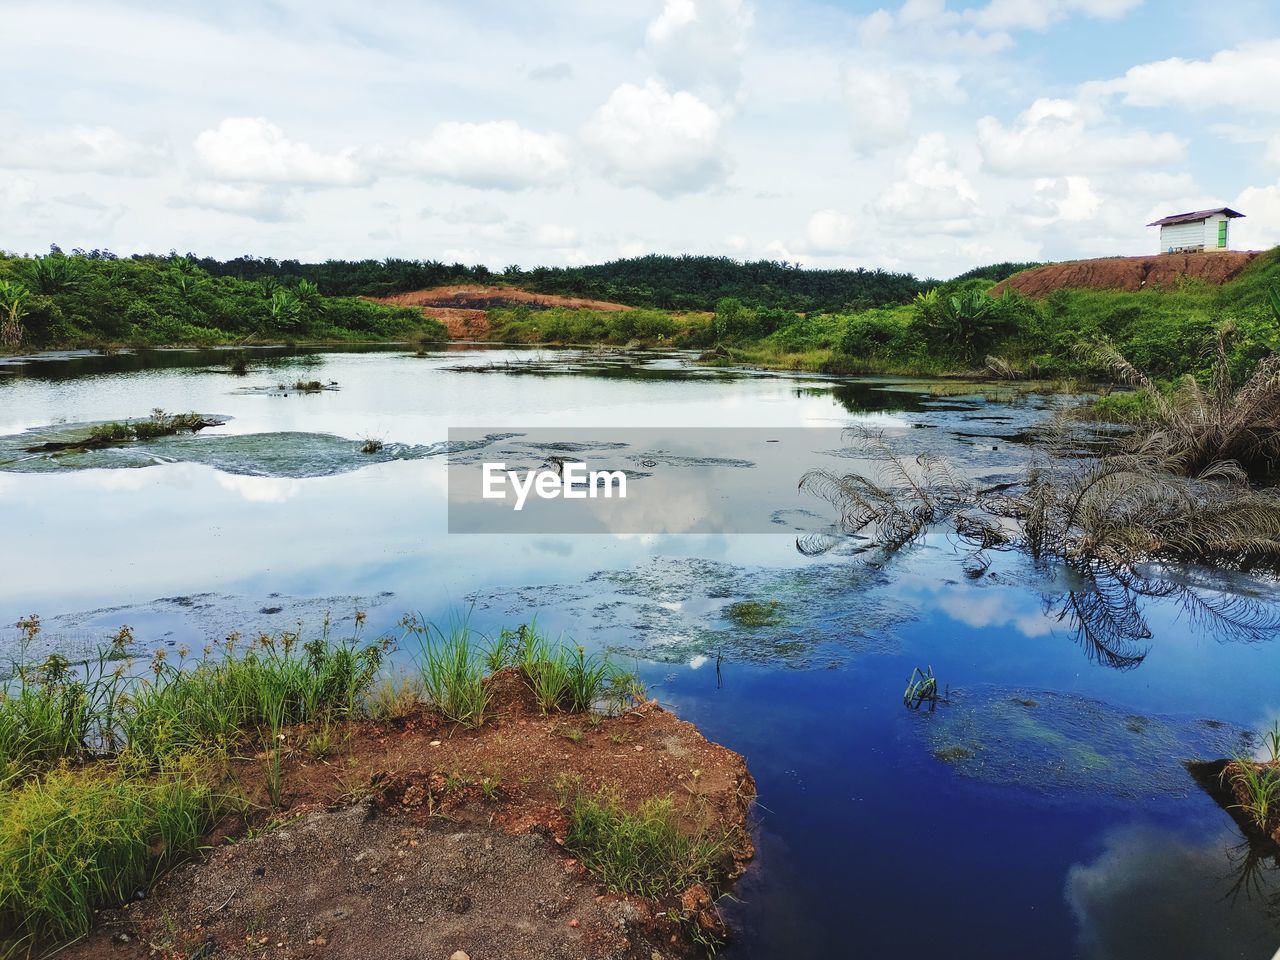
(1044, 811)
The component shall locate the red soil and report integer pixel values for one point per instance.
(1129, 273)
(464, 309)
(416, 838)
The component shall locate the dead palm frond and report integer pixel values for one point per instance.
(1197, 425)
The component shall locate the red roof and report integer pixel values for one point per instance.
(1193, 217)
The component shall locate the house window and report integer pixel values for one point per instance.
(1222, 234)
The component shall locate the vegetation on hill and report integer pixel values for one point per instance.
(95, 298)
(662, 282)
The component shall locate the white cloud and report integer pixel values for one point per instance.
(879, 104)
(934, 193)
(252, 150)
(497, 154)
(1055, 137)
(649, 137)
(1245, 78)
(1260, 228)
(1054, 199)
(829, 231)
(256, 200)
(555, 235)
(81, 149)
(699, 44)
(1039, 14)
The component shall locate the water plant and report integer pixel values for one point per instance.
(371, 445)
(922, 688)
(753, 613)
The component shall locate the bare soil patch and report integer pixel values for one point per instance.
(417, 838)
(1129, 273)
(464, 308)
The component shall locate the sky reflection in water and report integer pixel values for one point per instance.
(866, 836)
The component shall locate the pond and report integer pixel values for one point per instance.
(1043, 810)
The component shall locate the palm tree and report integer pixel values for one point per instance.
(13, 307)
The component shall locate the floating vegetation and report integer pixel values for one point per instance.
(289, 454)
(93, 436)
(672, 609)
(372, 445)
(307, 386)
(194, 619)
(922, 688)
(752, 613)
(1049, 742)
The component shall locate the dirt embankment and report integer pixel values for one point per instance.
(1128, 273)
(417, 838)
(464, 309)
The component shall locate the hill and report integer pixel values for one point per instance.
(464, 308)
(1163, 270)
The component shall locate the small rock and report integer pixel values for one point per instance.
(436, 743)
(460, 955)
(574, 923)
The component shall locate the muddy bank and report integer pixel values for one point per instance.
(418, 838)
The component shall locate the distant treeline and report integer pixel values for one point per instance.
(89, 298)
(662, 282)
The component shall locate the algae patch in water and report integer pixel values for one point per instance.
(1055, 742)
(673, 609)
(293, 455)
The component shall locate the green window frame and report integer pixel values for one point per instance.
(1222, 234)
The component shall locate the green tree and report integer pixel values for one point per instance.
(13, 307)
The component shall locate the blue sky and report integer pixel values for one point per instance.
(925, 136)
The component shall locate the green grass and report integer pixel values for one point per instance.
(75, 840)
(1261, 786)
(452, 671)
(563, 676)
(645, 852)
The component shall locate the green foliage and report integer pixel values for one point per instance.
(564, 677)
(645, 852)
(82, 839)
(83, 299)
(452, 671)
(524, 324)
(1260, 784)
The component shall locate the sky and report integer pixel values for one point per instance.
(928, 137)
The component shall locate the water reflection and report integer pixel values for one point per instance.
(1154, 893)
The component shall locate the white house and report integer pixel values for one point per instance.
(1201, 230)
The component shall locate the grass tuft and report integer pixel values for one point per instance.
(645, 852)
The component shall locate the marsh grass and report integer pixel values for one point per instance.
(563, 676)
(158, 424)
(1260, 784)
(452, 671)
(645, 852)
(78, 839)
(394, 697)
